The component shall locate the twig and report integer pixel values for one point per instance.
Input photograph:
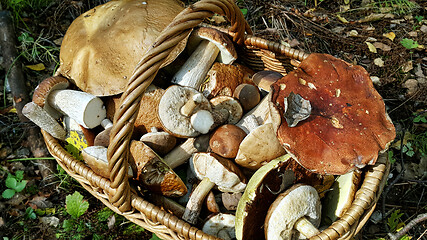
(409, 226)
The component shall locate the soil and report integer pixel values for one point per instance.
(344, 30)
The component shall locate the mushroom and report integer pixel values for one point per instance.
(298, 208)
(212, 44)
(259, 147)
(348, 125)
(176, 107)
(212, 170)
(231, 200)
(103, 138)
(152, 172)
(96, 158)
(180, 154)
(263, 187)
(224, 78)
(232, 107)
(261, 112)
(102, 46)
(220, 225)
(211, 203)
(226, 139)
(44, 120)
(51, 94)
(248, 96)
(160, 142)
(341, 196)
(264, 79)
(147, 117)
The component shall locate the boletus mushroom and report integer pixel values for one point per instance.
(298, 208)
(347, 126)
(103, 45)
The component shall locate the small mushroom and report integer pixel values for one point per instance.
(153, 172)
(226, 139)
(264, 79)
(259, 147)
(176, 108)
(230, 105)
(44, 120)
(212, 170)
(298, 208)
(103, 138)
(160, 142)
(248, 96)
(220, 225)
(213, 44)
(211, 203)
(224, 78)
(348, 125)
(96, 158)
(180, 154)
(231, 200)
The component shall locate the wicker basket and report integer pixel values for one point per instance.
(116, 192)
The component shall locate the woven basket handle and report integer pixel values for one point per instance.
(144, 73)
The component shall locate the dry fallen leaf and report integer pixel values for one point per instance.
(406, 67)
(379, 62)
(37, 67)
(390, 35)
(371, 47)
(382, 46)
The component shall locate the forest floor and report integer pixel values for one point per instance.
(387, 38)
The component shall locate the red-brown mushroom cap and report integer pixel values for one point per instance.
(348, 124)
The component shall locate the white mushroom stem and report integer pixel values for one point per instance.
(203, 121)
(179, 155)
(45, 121)
(306, 228)
(261, 112)
(193, 72)
(106, 123)
(194, 205)
(85, 108)
(191, 104)
(223, 234)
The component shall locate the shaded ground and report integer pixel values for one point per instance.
(343, 30)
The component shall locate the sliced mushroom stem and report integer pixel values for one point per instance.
(42, 119)
(306, 228)
(191, 104)
(193, 72)
(194, 205)
(202, 121)
(250, 123)
(85, 108)
(179, 155)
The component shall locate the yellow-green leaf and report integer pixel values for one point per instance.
(390, 35)
(37, 67)
(12, 110)
(342, 19)
(371, 47)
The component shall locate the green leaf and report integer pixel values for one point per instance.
(104, 214)
(30, 214)
(19, 175)
(409, 43)
(8, 193)
(244, 11)
(394, 220)
(96, 237)
(154, 237)
(75, 205)
(20, 186)
(391, 157)
(68, 225)
(11, 181)
(419, 18)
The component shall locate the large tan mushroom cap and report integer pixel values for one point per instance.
(348, 125)
(102, 46)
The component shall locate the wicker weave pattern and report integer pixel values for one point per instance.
(117, 193)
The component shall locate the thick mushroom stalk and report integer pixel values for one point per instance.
(212, 170)
(180, 154)
(212, 44)
(191, 104)
(44, 120)
(297, 208)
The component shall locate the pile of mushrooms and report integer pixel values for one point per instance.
(258, 150)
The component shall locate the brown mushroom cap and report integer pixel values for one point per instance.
(42, 91)
(226, 139)
(248, 95)
(348, 124)
(102, 46)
